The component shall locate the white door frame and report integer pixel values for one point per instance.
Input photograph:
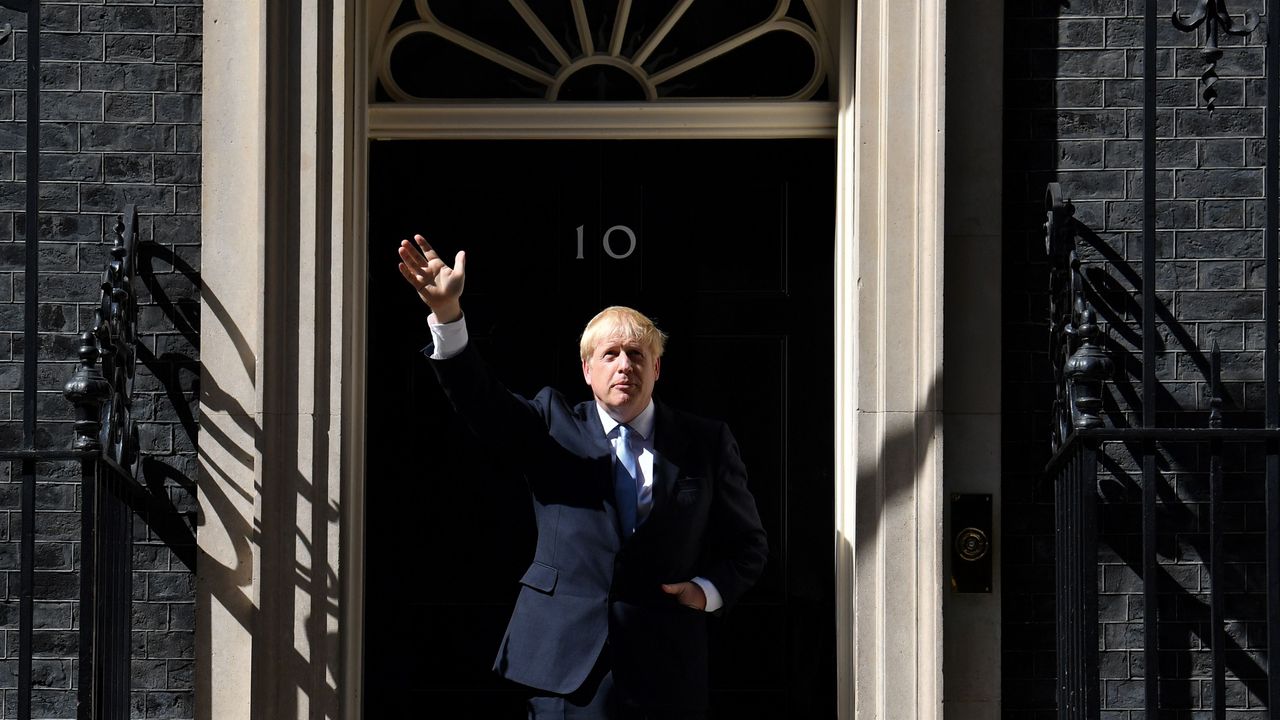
(280, 577)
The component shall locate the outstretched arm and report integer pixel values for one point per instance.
(438, 285)
(473, 391)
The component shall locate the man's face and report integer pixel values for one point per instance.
(621, 374)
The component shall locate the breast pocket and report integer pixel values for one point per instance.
(689, 490)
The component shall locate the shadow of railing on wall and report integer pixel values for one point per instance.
(1158, 535)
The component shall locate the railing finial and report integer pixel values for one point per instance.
(1080, 364)
(1087, 368)
(88, 390)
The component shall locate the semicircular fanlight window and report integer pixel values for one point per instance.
(601, 50)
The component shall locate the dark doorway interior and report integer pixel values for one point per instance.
(733, 249)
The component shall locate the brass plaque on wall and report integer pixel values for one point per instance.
(971, 538)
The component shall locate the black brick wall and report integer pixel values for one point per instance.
(1073, 114)
(120, 124)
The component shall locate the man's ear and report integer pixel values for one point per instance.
(586, 371)
(657, 368)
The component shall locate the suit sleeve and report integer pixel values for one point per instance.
(488, 407)
(738, 545)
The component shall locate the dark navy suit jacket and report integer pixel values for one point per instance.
(586, 583)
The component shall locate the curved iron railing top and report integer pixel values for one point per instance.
(1080, 365)
(102, 386)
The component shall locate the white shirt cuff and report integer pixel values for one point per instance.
(448, 339)
(714, 601)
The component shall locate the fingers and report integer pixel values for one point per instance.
(414, 262)
(417, 281)
(420, 272)
(411, 256)
(425, 247)
(408, 274)
(688, 594)
(422, 267)
(421, 256)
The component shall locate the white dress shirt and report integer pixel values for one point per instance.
(451, 338)
(642, 444)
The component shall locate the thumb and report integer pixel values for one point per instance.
(460, 262)
(672, 589)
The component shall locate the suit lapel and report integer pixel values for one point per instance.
(668, 443)
(593, 430)
(599, 447)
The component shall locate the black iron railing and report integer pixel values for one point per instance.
(1080, 439)
(105, 443)
(102, 391)
(1080, 435)
(1081, 367)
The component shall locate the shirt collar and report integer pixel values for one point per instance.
(642, 423)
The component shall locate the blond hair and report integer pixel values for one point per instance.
(624, 323)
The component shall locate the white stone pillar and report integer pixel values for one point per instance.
(275, 596)
(889, 360)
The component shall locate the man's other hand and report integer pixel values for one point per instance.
(439, 285)
(688, 594)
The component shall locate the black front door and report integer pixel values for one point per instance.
(728, 245)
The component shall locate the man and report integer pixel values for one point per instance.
(645, 523)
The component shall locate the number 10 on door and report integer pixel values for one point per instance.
(606, 242)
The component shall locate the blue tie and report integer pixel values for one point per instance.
(626, 473)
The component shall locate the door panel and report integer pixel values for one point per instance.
(732, 256)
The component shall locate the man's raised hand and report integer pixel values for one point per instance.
(439, 285)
